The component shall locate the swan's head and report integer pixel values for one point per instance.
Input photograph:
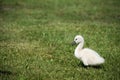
(78, 39)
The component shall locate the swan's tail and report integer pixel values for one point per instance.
(101, 60)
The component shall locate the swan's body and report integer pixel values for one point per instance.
(86, 55)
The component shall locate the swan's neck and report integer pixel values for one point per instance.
(80, 46)
(78, 49)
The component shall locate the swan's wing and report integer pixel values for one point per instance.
(92, 57)
(90, 52)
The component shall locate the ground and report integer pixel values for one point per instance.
(36, 36)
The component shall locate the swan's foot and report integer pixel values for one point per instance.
(81, 64)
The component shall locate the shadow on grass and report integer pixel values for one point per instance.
(1, 1)
(5, 72)
(96, 67)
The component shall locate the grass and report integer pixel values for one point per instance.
(35, 37)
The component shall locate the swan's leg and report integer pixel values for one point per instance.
(85, 61)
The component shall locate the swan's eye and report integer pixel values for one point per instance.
(75, 39)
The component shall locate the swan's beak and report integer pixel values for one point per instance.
(73, 43)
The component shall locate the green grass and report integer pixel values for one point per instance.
(35, 37)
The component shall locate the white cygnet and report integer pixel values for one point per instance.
(86, 55)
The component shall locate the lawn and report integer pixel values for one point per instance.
(36, 36)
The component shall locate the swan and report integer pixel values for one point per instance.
(88, 56)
